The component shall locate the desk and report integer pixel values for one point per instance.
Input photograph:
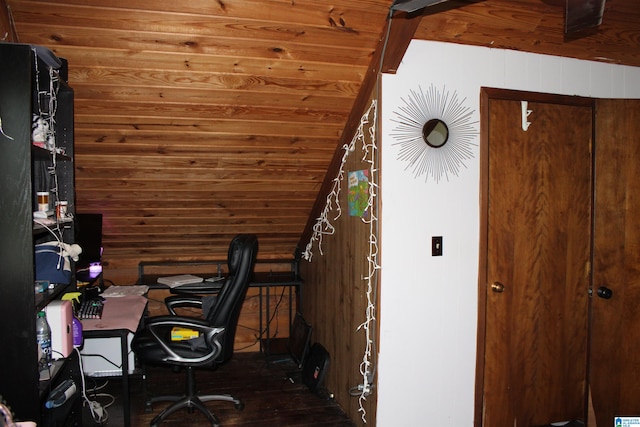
(262, 280)
(120, 316)
(266, 281)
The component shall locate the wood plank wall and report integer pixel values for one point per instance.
(334, 299)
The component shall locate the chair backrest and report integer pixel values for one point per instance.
(243, 250)
(234, 255)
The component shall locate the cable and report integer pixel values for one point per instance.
(273, 316)
(98, 412)
(103, 357)
(275, 313)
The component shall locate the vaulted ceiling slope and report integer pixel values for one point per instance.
(196, 120)
(199, 119)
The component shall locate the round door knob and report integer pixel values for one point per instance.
(604, 292)
(497, 287)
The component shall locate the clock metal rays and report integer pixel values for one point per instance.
(434, 116)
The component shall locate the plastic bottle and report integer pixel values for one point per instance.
(77, 332)
(43, 336)
(74, 297)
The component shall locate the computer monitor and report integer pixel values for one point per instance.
(88, 232)
(299, 339)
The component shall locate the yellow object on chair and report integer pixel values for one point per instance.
(181, 334)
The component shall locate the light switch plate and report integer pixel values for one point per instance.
(436, 246)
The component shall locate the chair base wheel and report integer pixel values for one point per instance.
(190, 403)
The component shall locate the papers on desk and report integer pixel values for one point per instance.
(181, 279)
(123, 291)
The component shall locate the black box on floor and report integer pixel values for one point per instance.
(315, 367)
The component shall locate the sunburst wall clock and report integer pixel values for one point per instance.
(434, 132)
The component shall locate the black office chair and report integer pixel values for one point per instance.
(214, 346)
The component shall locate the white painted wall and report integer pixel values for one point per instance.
(428, 309)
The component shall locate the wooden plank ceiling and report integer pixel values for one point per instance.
(196, 120)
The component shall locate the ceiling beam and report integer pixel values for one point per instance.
(397, 35)
(401, 29)
(7, 26)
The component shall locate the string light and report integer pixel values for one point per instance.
(370, 150)
(48, 115)
(323, 226)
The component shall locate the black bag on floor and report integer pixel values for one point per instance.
(315, 367)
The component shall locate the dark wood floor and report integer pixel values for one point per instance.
(270, 398)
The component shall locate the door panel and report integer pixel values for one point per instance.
(615, 336)
(538, 248)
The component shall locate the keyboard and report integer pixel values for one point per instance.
(90, 309)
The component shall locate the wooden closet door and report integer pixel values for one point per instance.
(538, 241)
(615, 336)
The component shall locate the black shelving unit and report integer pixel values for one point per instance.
(25, 169)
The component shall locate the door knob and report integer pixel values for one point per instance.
(604, 292)
(497, 287)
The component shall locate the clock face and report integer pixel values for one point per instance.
(434, 133)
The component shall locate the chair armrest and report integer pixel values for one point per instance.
(182, 301)
(157, 327)
(181, 321)
(202, 303)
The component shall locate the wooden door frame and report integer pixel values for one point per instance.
(486, 94)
